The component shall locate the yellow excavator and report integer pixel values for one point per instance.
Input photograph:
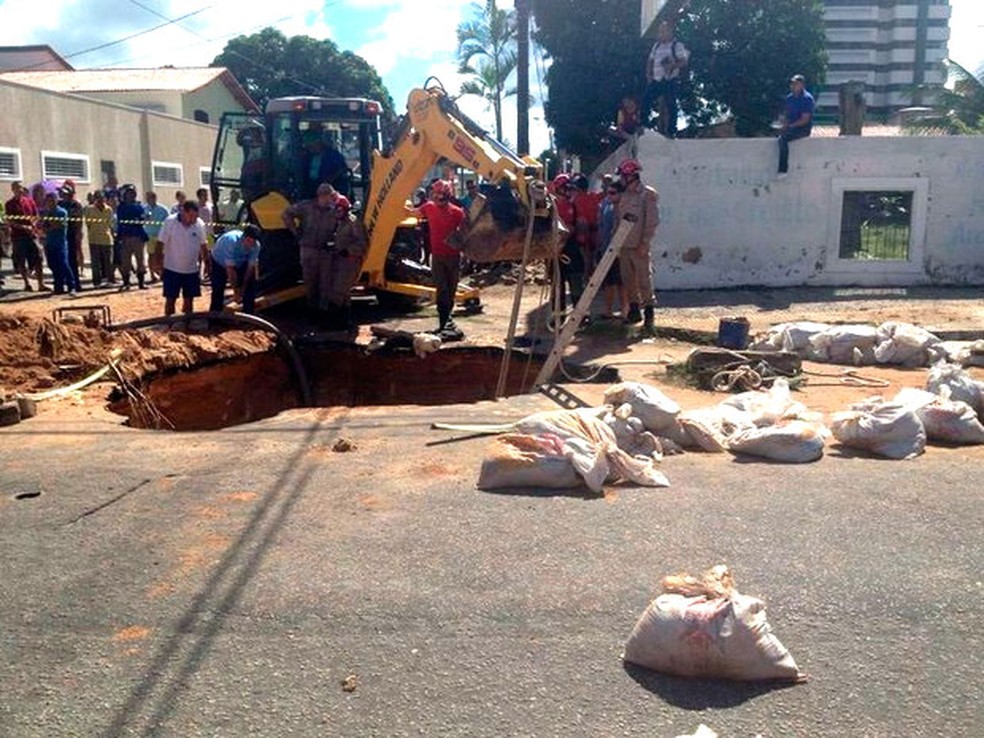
(263, 163)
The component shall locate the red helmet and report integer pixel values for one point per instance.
(629, 166)
(561, 180)
(440, 187)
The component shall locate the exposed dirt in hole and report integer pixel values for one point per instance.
(240, 391)
(37, 353)
(217, 395)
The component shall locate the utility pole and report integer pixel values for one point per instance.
(523, 76)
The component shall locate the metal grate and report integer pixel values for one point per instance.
(876, 225)
(167, 174)
(65, 166)
(10, 164)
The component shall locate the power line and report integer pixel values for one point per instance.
(124, 39)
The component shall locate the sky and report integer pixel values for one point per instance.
(407, 41)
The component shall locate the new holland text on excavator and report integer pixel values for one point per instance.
(263, 163)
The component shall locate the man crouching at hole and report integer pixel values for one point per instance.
(235, 260)
(185, 248)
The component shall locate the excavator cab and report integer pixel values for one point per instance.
(263, 163)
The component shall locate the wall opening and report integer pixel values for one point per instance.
(876, 225)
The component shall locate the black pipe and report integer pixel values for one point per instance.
(240, 318)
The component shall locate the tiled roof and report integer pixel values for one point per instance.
(176, 79)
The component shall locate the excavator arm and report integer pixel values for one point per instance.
(434, 129)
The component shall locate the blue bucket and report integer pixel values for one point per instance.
(733, 333)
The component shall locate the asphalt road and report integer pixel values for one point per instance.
(226, 583)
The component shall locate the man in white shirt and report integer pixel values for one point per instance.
(185, 248)
(667, 60)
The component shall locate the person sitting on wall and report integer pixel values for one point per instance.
(797, 120)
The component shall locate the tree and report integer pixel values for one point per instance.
(268, 65)
(487, 52)
(742, 55)
(959, 108)
(596, 58)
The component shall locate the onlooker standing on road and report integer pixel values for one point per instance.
(667, 60)
(22, 216)
(132, 236)
(313, 223)
(235, 261)
(155, 215)
(797, 119)
(639, 204)
(74, 209)
(179, 200)
(99, 228)
(208, 217)
(443, 219)
(183, 236)
(54, 223)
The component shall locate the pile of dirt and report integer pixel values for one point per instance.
(506, 273)
(37, 353)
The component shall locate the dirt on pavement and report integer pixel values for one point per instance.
(36, 353)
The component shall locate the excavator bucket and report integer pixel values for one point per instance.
(498, 235)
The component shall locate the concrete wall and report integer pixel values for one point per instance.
(727, 221)
(36, 120)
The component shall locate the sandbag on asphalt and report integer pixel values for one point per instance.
(965, 353)
(882, 428)
(793, 442)
(656, 411)
(907, 344)
(945, 420)
(962, 386)
(708, 429)
(705, 628)
(631, 434)
(582, 438)
(771, 406)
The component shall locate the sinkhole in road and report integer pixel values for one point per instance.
(236, 391)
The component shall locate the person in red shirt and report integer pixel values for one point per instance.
(22, 214)
(444, 218)
(572, 256)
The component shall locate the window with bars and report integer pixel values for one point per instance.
(167, 174)
(61, 165)
(205, 176)
(876, 225)
(10, 163)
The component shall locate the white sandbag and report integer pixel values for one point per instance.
(945, 420)
(907, 344)
(965, 353)
(793, 442)
(767, 407)
(793, 337)
(652, 407)
(522, 460)
(630, 433)
(962, 385)
(888, 429)
(592, 448)
(708, 429)
(709, 635)
(845, 344)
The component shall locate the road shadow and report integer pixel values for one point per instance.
(577, 493)
(700, 694)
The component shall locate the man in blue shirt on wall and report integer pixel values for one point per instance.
(235, 259)
(797, 121)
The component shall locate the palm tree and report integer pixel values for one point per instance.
(959, 107)
(487, 51)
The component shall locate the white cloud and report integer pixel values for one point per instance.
(410, 32)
